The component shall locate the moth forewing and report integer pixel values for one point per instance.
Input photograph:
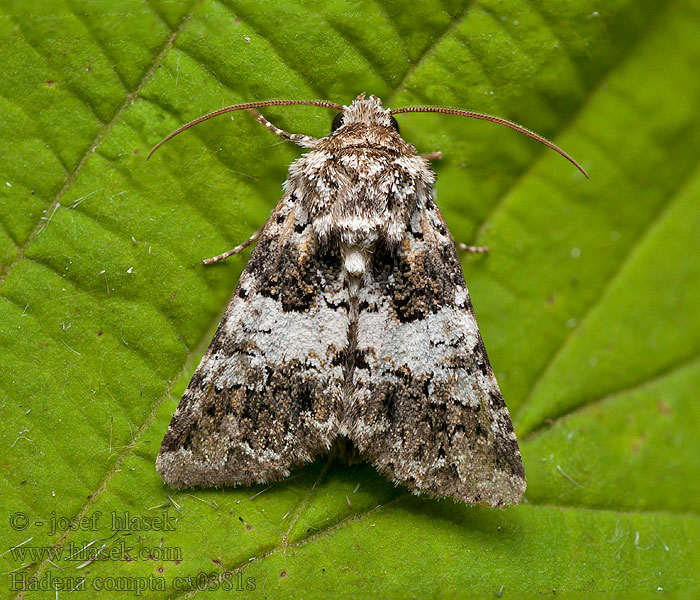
(266, 396)
(428, 411)
(352, 317)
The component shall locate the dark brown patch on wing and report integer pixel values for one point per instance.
(418, 282)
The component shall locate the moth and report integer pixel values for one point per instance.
(352, 318)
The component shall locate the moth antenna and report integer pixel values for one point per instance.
(246, 105)
(492, 119)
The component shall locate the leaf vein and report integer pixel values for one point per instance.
(615, 394)
(104, 130)
(454, 23)
(644, 234)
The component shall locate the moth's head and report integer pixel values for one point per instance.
(365, 111)
(365, 121)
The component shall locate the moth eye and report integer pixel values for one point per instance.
(394, 124)
(337, 121)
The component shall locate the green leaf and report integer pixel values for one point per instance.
(589, 300)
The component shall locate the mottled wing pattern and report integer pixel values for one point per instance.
(426, 409)
(267, 395)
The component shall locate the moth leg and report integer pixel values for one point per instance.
(432, 155)
(472, 249)
(236, 250)
(305, 141)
